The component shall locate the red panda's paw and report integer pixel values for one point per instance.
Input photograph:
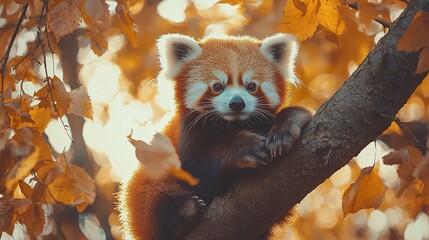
(193, 209)
(287, 129)
(189, 215)
(253, 153)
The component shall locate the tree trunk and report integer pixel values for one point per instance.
(358, 112)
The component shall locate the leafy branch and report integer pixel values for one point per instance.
(9, 47)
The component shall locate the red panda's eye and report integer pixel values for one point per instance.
(251, 87)
(217, 87)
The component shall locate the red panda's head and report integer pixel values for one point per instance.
(234, 78)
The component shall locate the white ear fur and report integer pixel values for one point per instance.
(174, 50)
(282, 49)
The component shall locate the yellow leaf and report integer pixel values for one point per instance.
(63, 18)
(25, 189)
(81, 103)
(127, 21)
(41, 118)
(367, 192)
(416, 38)
(295, 22)
(184, 176)
(21, 169)
(330, 20)
(73, 187)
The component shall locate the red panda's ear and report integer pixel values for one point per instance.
(176, 49)
(282, 49)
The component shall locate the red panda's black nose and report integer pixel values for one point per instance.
(237, 103)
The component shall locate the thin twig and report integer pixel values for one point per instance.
(30, 54)
(9, 47)
(378, 20)
(47, 78)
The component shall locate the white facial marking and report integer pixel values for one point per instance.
(221, 103)
(247, 77)
(271, 93)
(193, 94)
(221, 75)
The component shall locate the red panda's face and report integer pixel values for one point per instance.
(233, 78)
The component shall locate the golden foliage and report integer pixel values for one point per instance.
(367, 192)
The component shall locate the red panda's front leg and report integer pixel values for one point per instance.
(287, 129)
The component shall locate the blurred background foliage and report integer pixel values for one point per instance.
(118, 64)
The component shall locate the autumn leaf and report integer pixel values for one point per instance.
(21, 169)
(330, 20)
(295, 22)
(20, 205)
(95, 13)
(73, 186)
(61, 97)
(99, 44)
(323, 13)
(127, 21)
(397, 157)
(81, 103)
(184, 176)
(41, 118)
(34, 219)
(416, 38)
(63, 18)
(367, 192)
(8, 215)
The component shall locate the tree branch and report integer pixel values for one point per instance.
(358, 112)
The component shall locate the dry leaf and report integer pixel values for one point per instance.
(367, 192)
(63, 18)
(127, 21)
(20, 204)
(21, 169)
(397, 157)
(34, 219)
(416, 38)
(159, 157)
(81, 103)
(74, 186)
(236, 2)
(95, 13)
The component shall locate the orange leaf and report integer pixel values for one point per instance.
(397, 157)
(127, 21)
(21, 169)
(99, 43)
(367, 192)
(41, 118)
(95, 13)
(34, 219)
(330, 20)
(20, 204)
(63, 18)
(8, 215)
(25, 189)
(294, 21)
(416, 38)
(74, 186)
(184, 176)
(81, 103)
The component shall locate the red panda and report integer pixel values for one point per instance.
(231, 114)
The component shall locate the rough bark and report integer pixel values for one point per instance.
(358, 112)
